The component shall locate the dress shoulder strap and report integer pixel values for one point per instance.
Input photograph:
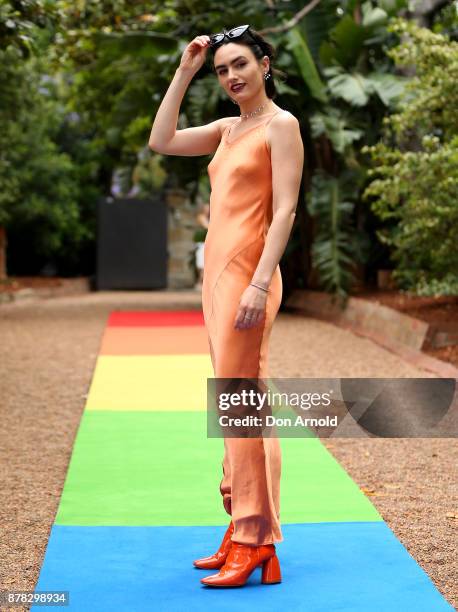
(227, 129)
(262, 124)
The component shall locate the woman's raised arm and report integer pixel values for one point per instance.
(164, 137)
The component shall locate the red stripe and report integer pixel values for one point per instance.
(154, 318)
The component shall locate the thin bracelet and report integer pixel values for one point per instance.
(259, 287)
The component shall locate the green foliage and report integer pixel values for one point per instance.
(414, 185)
(432, 96)
(336, 127)
(445, 21)
(108, 63)
(340, 49)
(356, 88)
(41, 196)
(149, 174)
(123, 61)
(361, 28)
(19, 21)
(298, 46)
(44, 186)
(448, 285)
(331, 202)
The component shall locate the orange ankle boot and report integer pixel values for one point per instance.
(217, 560)
(240, 563)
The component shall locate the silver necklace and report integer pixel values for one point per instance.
(252, 113)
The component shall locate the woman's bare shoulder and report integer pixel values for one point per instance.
(284, 127)
(283, 120)
(285, 116)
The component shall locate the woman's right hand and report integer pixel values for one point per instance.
(194, 55)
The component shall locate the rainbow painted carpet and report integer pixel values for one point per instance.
(141, 498)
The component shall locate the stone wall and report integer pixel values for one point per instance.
(182, 224)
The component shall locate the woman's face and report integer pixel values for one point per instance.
(236, 64)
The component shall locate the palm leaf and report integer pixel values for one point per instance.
(388, 87)
(334, 126)
(333, 250)
(298, 46)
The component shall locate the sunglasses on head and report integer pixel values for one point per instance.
(216, 39)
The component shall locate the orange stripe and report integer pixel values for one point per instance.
(154, 340)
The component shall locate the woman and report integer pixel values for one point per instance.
(255, 176)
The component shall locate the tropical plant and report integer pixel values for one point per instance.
(352, 85)
(337, 246)
(414, 181)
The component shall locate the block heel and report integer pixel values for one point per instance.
(271, 573)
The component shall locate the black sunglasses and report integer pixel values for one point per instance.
(236, 32)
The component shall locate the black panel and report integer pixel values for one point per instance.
(131, 244)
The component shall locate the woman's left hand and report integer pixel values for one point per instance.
(251, 309)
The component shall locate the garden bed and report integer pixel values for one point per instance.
(18, 287)
(440, 312)
(16, 283)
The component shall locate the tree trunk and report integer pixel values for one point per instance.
(3, 242)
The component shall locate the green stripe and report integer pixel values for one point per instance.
(159, 468)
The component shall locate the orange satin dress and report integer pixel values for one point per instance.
(240, 175)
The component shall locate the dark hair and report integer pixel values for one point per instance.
(259, 47)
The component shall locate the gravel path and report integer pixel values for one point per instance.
(48, 352)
